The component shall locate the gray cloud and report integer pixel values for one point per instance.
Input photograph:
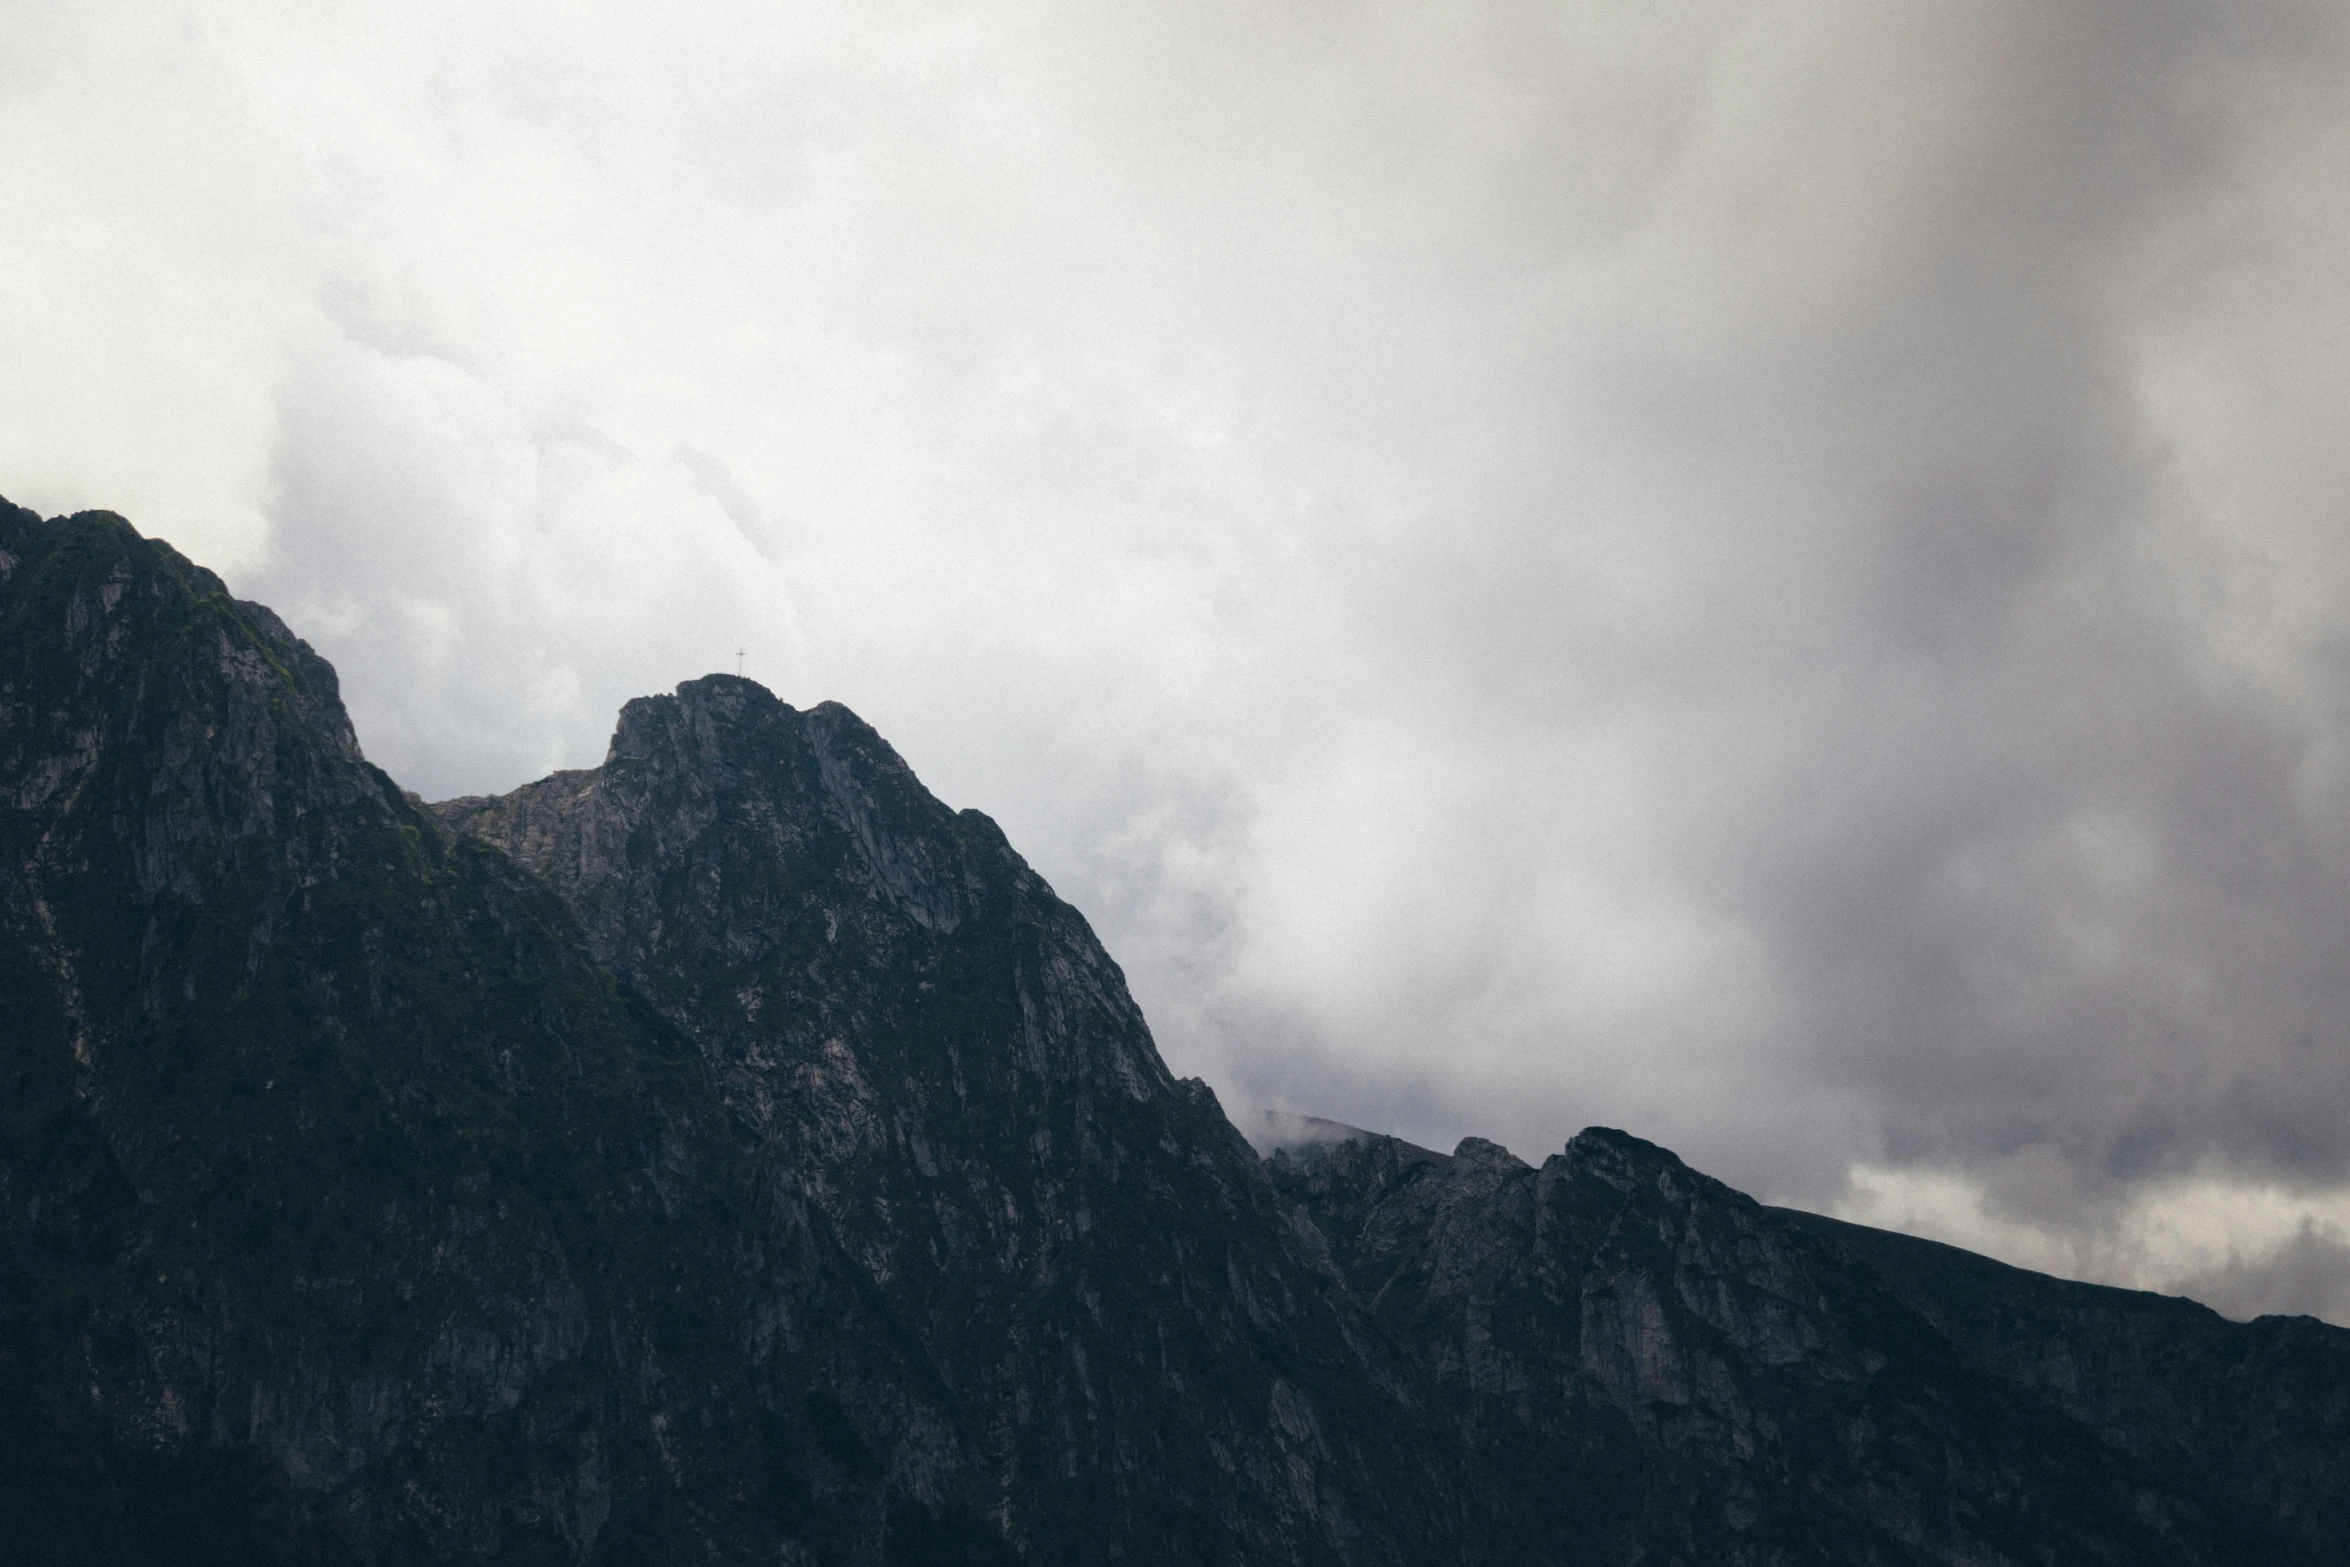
(1766, 573)
(2308, 1276)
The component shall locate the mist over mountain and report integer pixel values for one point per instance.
(731, 1153)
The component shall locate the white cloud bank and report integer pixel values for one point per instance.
(1772, 574)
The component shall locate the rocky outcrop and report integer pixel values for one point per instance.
(1735, 1383)
(2254, 1418)
(937, 1051)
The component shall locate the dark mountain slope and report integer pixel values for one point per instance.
(348, 1210)
(353, 1210)
(1712, 1383)
(731, 1154)
(943, 1056)
(2252, 1416)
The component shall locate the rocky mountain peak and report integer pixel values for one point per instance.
(700, 725)
(1475, 1153)
(1628, 1163)
(731, 1153)
(942, 1064)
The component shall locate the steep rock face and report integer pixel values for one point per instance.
(1712, 1384)
(2254, 1418)
(348, 1211)
(936, 1050)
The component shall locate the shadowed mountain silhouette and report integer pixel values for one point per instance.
(731, 1153)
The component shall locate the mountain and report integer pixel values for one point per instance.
(354, 1210)
(731, 1154)
(1716, 1381)
(941, 1060)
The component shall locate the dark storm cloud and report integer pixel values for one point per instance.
(1767, 573)
(2031, 867)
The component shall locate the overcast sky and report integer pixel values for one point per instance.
(1775, 575)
